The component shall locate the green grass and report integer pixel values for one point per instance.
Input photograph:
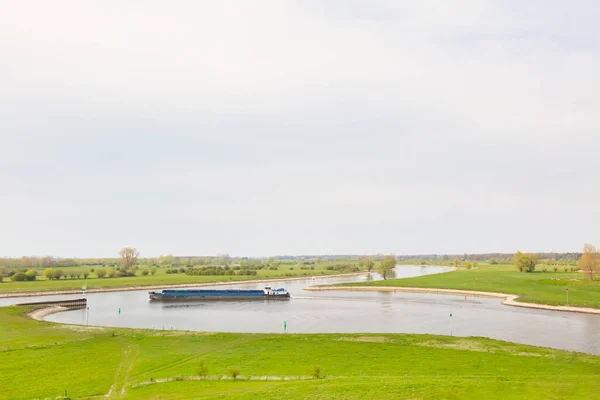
(41, 360)
(161, 278)
(537, 287)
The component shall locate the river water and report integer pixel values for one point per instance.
(343, 312)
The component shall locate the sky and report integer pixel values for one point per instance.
(286, 128)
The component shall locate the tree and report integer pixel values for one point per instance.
(369, 264)
(525, 261)
(128, 258)
(455, 262)
(386, 267)
(234, 372)
(316, 371)
(49, 273)
(100, 272)
(19, 276)
(86, 274)
(493, 261)
(110, 272)
(361, 261)
(589, 263)
(165, 260)
(202, 369)
(57, 273)
(468, 264)
(474, 263)
(30, 275)
(153, 270)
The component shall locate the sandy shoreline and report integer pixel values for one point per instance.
(509, 299)
(155, 287)
(41, 313)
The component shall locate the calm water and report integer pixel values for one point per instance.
(348, 312)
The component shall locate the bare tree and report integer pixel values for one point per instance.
(589, 263)
(129, 257)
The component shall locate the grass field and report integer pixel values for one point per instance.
(41, 360)
(161, 278)
(536, 287)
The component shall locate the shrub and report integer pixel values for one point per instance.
(92, 269)
(19, 276)
(316, 371)
(30, 275)
(101, 273)
(234, 372)
(58, 273)
(49, 273)
(145, 272)
(202, 369)
(545, 269)
(555, 269)
(86, 274)
(566, 269)
(110, 272)
(152, 270)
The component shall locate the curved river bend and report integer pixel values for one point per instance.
(345, 312)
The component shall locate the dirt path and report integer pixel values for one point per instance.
(155, 287)
(509, 299)
(123, 370)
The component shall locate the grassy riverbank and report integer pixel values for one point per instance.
(536, 287)
(41, 284)
(354, 366)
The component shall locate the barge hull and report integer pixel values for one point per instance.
(221, 298)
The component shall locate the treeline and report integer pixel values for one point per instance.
(169, 260)
(488, 256)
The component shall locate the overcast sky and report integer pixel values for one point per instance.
(285, 127)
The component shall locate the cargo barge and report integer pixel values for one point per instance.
(227, 294)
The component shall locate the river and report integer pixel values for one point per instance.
(343, 312)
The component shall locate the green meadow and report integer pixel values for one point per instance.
(543, 287)
(42, 360)
(161, 277)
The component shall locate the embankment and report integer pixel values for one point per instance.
(509, 299)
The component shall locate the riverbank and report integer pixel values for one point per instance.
(509, 299)
(556, 289)
(148, 364)
(156, 287)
